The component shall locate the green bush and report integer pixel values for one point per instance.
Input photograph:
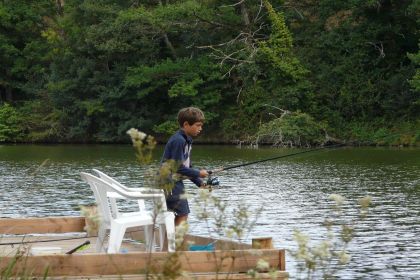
(380, 134)
(41, 121)
(10, 124)
(292, 129)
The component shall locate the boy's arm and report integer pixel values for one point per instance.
(197, 181)
(189, 172)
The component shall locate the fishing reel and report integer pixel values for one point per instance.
(212, 181)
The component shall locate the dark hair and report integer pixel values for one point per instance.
(190, 115)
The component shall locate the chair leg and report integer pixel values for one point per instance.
(115, 237)
(149, 234)
(161, 236)
(101, 240)
(170, 231)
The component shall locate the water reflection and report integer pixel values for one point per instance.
(293, 192)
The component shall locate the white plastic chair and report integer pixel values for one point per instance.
(105, 193)
(111, 180)
(149, 233)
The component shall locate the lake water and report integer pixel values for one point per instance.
(43, 180)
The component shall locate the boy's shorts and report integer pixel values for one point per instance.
(179, 206)
(175, 203)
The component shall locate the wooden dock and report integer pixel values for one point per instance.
(230, 260)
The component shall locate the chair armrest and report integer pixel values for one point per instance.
(133, 189)
(133, 195)
(144, 190)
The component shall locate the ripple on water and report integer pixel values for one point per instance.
(293, 193)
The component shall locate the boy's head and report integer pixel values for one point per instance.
(191, 120)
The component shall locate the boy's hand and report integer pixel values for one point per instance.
(203, 173)
(205, 186)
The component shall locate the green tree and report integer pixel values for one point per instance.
(85, 70)
(356, 51)
(23, 51)
(10, 124)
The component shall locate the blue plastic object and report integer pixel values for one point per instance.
(208, 247)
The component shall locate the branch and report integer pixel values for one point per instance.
(283, 111)
(233, 5)
(256, 18)
(169, 45)
(213, 22)
(379, 47)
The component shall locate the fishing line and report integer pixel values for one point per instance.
(214, 181)
(278, 157)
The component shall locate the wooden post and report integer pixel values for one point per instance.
(262, 243)
(282, 262)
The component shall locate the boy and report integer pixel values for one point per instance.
(178, 148)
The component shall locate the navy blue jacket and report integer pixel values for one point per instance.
(178, 148)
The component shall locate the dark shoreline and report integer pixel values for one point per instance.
(214, 143)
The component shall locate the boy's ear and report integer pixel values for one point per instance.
(185, 124)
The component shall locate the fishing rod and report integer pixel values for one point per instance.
(214, 181)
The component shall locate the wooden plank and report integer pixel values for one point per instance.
(77, 224)
(42, 225)
(135, 263)
(262, 243)
(100, 264)
(278, 275)
(12, 245)
(219, 244)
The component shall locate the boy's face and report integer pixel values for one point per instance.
(192, 130)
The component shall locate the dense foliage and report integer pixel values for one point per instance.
(88, 70)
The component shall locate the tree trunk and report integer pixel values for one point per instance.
(60, 4)
(9, 94)
(169, 45)
(245, 15)
(167, 41)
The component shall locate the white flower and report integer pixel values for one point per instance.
(301, 238)
(135, 134)
(337, 198)
(180, 232)
(229, 233)
(365, 201)
(262, 265)
(344, 257)
(322, 250)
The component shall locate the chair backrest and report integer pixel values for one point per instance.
(102, 188)
(142, 206)
(109, 179)
(97, 185)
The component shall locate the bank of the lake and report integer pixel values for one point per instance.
(43, 180)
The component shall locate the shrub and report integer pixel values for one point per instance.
(292, 129)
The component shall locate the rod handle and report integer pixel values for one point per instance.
(78, 247)
(215, 170)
